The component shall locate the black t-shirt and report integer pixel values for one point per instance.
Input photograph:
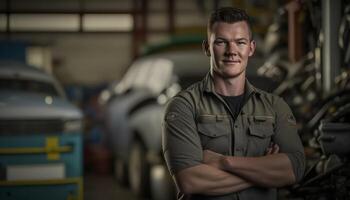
(235, 103)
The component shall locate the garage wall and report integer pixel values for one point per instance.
(82, 59)
(91, 59)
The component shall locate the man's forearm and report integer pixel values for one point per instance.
(207, 180)
(273, 170)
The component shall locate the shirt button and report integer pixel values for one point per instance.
(239, 149)
(236, 126)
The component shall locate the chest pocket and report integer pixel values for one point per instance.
(259, 135)
(215, 136)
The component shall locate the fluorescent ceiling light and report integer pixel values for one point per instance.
(107, 22)
(44, 22)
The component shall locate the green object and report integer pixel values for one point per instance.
(177, 42)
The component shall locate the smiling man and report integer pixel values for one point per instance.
(223, 138)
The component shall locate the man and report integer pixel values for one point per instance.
(222, 137)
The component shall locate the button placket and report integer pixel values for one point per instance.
(240, 135)
(238, 147)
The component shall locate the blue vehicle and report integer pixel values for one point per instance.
(40, 137)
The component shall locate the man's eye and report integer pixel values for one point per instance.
(241, 43)
(220, 42)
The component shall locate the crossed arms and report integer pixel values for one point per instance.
(209, 173)
(220, 174)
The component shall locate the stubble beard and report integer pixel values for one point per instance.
(223, 74)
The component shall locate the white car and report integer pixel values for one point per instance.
(32, 101)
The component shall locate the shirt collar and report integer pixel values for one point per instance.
(209, 86)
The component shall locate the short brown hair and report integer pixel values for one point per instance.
(229, 15)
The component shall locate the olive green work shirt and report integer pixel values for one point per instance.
(197, 119)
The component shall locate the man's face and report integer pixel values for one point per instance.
(230, 47)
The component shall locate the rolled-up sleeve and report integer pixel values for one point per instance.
(180, 141)
(286, 136)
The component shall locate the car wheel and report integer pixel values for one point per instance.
(162, 186)
(138, 169)
(120, 171)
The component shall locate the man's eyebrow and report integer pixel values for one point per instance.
(240, 39)
(221, 38)
(237, 39)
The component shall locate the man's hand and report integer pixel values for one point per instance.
(273, 169)
(273, 149)
(217, 160)
(213, 159)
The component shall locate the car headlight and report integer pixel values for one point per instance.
(73, 126)
(104, 97)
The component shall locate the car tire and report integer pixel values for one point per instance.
(138, 170)
(162, 186)
(120, 172)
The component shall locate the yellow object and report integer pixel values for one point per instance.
(52, 149)
(52, 143)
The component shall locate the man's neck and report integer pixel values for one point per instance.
(229, 86)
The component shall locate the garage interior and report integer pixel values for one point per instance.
(115, 61)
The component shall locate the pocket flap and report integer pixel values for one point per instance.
(214, 129)
(261, 130)
(262, 118)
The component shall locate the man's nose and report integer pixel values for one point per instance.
(231, 48)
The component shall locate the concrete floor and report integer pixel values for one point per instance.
(104, 187)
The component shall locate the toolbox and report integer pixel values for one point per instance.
(41, 167)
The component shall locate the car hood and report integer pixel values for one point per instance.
(25, 105)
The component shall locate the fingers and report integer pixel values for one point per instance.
(269, 151)
(212, 158)
(273, 149)
(208, 156)
(211, 153)
(206, 151)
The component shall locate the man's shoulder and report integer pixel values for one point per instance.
(273, 102)
(269, 97)
(185, 101)
(193, 90)
(187, 96)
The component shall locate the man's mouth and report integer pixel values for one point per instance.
(231, 61)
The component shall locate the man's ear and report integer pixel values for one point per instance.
(205, 47)
(252, 47)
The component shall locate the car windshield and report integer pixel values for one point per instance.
(28, 86)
